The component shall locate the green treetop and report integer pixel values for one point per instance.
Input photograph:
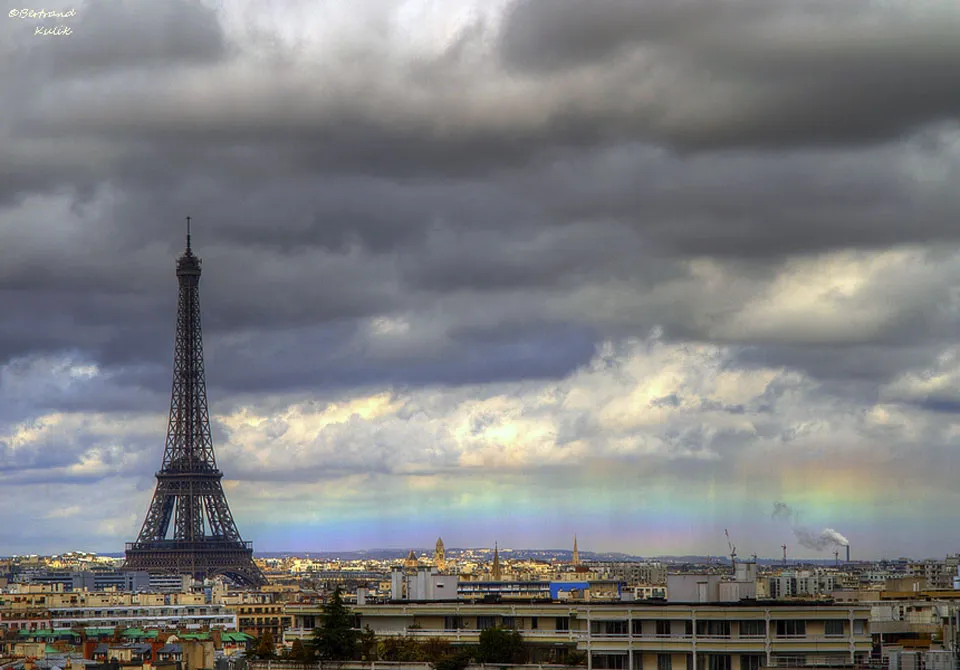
(336, 638)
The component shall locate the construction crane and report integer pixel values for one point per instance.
(733, 550)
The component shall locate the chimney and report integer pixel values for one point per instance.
(848, 553)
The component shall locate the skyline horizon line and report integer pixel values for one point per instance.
(334, 553)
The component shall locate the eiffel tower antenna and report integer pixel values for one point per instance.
(189, 501)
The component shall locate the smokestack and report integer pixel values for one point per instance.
(848, 553)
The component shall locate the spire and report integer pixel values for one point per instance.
(497, 573)
(188, 264)
(576, 552)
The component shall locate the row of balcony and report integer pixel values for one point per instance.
(809, 661)
(576, 635)
(719, 638)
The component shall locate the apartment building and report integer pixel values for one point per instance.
(639, 636)
(258, 618)
(193, 616)
(40, 607)
(801, 583)
(645, 573)
(937, 574)
(104, 580)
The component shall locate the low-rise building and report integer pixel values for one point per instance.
(259, 618)
(192, 616)
(639, 636)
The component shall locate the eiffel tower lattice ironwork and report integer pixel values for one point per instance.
(189, 496)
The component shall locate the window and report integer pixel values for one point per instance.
(485, 622)
(833, 628)
(719, 662)
(791, 628)
(609, 661)
(753, 628)
(859, 627)
(751, 661)
(637, 626)
(563, 623)
(664, 662)
(713, 628)
(534, 623)
(509, 622)
(663, 629)
(608, 627)
(453, 623)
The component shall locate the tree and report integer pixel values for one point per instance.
(501, 645)
(436, 649)
(336, 639)
(401, 650)
(368, 645)
(266, 647)
(576, 657)
(457, 660)
(441, 654)
(299, 652)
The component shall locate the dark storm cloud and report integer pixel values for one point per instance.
(325, 358)
(513, 227)
(547, 35)
(115, 35)
(866, 365)
(793, 73)
(747, 204)
(538, 257)
(940, 406)
(735, 76)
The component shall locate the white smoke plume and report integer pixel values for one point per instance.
(828, 537)
(807, 537)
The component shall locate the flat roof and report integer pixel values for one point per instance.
(652, 602)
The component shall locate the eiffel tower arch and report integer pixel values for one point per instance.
(188, 528)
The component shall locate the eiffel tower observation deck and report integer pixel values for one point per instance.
(189, 528)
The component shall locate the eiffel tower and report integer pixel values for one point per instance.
(205, 540)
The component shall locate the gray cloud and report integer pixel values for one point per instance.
(128, 35)
(791, 74)
(479, 203)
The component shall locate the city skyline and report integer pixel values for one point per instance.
(500, 271)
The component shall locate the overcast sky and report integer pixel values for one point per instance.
(490, 270)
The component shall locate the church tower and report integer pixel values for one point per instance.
(497, 571)
(576, 552)
(440, 556)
